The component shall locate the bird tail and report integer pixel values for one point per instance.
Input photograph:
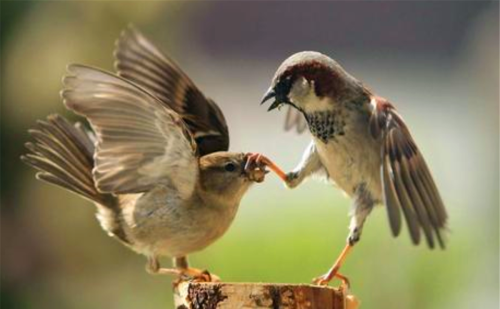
(63, 155)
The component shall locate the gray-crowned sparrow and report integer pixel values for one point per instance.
(362, 144)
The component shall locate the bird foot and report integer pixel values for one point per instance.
(195, 275)
(260, 161)
(255, 169)
(321, 280)
(292, 180)
(325, 279)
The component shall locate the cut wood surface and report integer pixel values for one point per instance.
(223, 295)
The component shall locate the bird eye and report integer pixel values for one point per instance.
(230, 167)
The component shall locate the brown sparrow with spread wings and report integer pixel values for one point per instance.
(362, 144)
(156, 164)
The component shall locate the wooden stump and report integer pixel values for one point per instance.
(195, 295)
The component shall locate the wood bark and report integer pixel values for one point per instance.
(209, 295)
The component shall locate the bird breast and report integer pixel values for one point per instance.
(347, 151)
(326, 125)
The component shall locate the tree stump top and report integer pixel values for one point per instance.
(198, 295)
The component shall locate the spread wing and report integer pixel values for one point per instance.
(295, 119)
(139, 61)
(140, 143)
(407, 182)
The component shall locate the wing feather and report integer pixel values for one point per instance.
(139, 61)
(419, 207)
(140, 142)
(391, 200)
(408, 186)
(406, 203)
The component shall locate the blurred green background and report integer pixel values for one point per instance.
(437, 61)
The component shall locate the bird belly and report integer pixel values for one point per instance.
(351, 161)
(200, 229)
(160, 223)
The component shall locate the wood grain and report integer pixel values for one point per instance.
(196, 295)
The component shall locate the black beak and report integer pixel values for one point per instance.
(271, 94)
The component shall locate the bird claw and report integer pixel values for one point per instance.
(195, 275)
(204, 276)
(350, 301)
(321, 280)
(255, 168)
(198, 275)
(324, 280)
(292, 180)
(257, 160)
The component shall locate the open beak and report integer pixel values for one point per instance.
(271, 93)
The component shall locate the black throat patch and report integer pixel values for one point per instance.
(326, 125)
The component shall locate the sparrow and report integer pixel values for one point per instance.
(156, 162)
(362, 144)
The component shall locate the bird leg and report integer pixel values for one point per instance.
(361, 208)
(333, 271)
(309, 164)
(181, 270)
(261, 160)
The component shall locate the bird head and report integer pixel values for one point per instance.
(310, 81)
(224, 174)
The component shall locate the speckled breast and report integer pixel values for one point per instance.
(326, 125)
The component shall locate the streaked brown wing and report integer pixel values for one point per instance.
(62, 152)
(408, 186)
(140, 142)
(295, 119)
(139, 61)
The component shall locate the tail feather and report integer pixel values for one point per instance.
(63, 154)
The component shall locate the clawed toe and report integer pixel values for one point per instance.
(321, 280)
(255, 161)
(197, 275)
